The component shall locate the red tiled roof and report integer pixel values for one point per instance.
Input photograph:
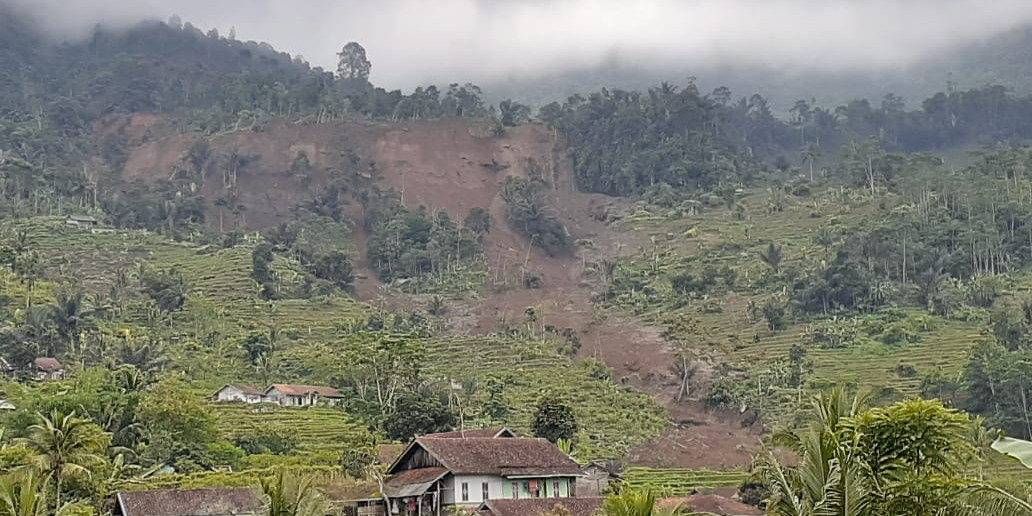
(538, 506)
(497, 431)
(505, 457)
(244, 388)
(48, 364)
(301, 390)
(712, 504)
(190, 502)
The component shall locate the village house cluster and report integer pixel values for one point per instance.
(483, 472)
(288, 395)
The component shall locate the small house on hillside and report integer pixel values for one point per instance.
(596, 477)
(6, 369)
(48, 369)
(573, 507)
(301, 395)
(237, 501)
(81, 221)
(238, 392)
(432, 474)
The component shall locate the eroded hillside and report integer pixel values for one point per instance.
(454, 165)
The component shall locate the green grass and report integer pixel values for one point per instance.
(717, 238)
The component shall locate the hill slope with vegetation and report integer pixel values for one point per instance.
(672, 272)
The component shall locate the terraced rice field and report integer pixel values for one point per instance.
(612, 418)
(321, 433)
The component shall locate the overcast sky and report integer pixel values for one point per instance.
(422, 41)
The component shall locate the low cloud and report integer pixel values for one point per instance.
(417, 41)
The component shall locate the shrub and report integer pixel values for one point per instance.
(906, 371)
(268, 442)
(834, 333)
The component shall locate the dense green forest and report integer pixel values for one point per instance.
(815, 241)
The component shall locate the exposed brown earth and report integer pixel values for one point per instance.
(456, 165)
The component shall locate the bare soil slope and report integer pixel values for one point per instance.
(456, 165)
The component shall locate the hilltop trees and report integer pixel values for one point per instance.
(353, 63)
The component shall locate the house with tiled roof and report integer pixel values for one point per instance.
(301, 395)
(237, 501)
(710, 504)
(48, 369)
(239, 392)
(541, 506)
(433, 473)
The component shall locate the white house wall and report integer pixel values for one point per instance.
(475, 492)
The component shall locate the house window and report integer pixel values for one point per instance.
(555, 489)
(465, 491)
(533, 488)
(484, 491)
(515, 490)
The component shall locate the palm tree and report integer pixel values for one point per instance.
(635, 503)
(772, 257)
(987, 500)
(26, 495)
(830, 478)
(65, 445)
(810, 154)
(70, 315)
(30, 268)
(295, 496)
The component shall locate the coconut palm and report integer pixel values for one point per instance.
(811, 153)
(635, 503)
(26, 495)
(987, 500)
(772, 257)
(70, 315)
(856, 462)
(65, 445)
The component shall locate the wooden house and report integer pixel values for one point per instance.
(81, 221)
(48, 369)
(434, 474)
(596, 476)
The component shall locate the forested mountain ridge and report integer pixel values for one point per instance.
(660, 268)
(1003, 59)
